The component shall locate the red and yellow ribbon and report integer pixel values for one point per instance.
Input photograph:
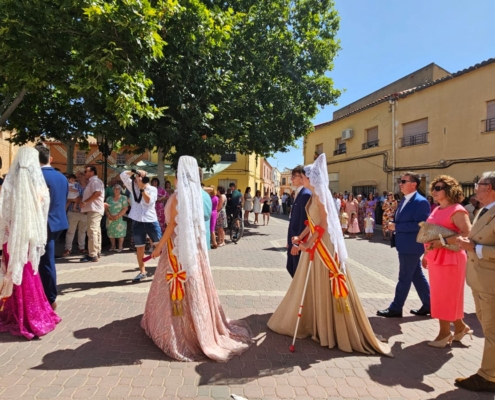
(176, 280)
(337, 278)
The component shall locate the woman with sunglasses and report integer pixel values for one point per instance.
(389, 207)
(447, 268)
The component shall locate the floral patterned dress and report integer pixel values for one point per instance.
(118, 228)
(389, 208)
(160, 208)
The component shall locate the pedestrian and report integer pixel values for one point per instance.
(389, 207)
(472, 206)
(284, 203)
(257, 206)
(57, 222)
(351, 205)
(221, 215)
(344, 219)
(93, 204)
(248, 204)
(412, 210)
(115, 208)
(480, 276)
(361, 212)
(234, 200)
(162, 196)
(447, 267)
(333, 314)
(266, 209)
(214, 216)
(73, 192)
(24, 207)
(77, 220)
(353, 225)
(207, 210)
(433, 205)
(371, 206)
(369, 222)
(183, 293)
(297, 219)
(143, 214)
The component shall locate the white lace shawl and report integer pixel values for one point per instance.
(190, 229)
(24, 204)
(318, 178)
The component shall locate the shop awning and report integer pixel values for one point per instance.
(369, 182)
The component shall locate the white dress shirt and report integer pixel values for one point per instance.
(479, 247)
(142, 211)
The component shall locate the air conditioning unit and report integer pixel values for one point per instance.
(347, 134)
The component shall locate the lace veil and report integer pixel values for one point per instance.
(24, 204)
(318, 177)
(190, 230)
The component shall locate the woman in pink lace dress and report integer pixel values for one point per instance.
(183, 314)
(447, 268)
(24, 202)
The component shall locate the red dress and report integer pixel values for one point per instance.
(446, 270)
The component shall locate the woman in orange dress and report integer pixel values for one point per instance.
(447, 268)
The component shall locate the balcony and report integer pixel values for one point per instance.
(229, 157)
(370, 144)
(413, 140)
(490, 125)
(342, 150)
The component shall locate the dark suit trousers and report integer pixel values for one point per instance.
(48, 273)
(410, 273)
(292, 262)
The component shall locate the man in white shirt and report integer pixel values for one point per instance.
(471, 206)
(338, 202)
(284, 204)
(143, 214)
(93, 205)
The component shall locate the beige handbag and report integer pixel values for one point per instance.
(429, 232)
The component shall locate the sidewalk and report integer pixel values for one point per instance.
(99, 350)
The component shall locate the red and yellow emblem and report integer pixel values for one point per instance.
(176, 280)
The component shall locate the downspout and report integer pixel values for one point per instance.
(392, 104)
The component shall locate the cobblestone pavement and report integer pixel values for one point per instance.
(99, 350)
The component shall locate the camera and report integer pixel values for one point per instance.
(145, 179)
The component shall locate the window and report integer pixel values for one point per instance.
(340, 147)
(226, 182)
(490, 116)
(121, 158)
(414, 133)
(284, 180)
(371, 138)
(318, 149)
(80, 157)
(229, 157)
(333, 182)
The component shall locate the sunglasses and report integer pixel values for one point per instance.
(403, 181)
(480, 183)
(438, 188)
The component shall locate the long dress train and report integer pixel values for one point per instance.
(27, 312)
(203, 329)
(325, 319)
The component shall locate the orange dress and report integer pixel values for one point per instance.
(446, 270)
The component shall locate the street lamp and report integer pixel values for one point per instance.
(106, 146)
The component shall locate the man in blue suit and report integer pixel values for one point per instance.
(297, 218)
(412, 210)
(57, 222)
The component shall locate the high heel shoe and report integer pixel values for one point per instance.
(459, 336)
(442, 342)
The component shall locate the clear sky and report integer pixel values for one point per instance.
(384, 40)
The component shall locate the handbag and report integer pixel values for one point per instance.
(428, 232)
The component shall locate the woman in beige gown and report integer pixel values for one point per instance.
(330, 321)
(183, 314)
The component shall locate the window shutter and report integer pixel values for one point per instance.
(372, 134)
(490, 109)
(415, 128)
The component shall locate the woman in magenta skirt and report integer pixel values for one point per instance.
(447, 268)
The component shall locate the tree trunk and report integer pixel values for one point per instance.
(8, 112)
(160, 168)
(70, 146)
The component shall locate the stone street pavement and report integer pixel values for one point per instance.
(99, 350)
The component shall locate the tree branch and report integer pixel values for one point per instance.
(8, 112)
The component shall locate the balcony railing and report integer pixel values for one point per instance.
(342, 150)
(229, 157)
(490, 125)
(370, 144)
(413, 140)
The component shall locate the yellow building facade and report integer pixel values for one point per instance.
(446, 126)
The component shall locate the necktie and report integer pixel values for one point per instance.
(482, 212)
(401, 204)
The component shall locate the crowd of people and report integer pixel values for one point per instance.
(35, 201)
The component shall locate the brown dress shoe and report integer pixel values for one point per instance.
(54, 305)
(475, 383)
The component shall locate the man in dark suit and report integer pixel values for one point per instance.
(412, 210)
(297, 218)
(57, 222)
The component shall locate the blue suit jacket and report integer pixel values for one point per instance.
(406, 221)
(298, 215)
(59, 188)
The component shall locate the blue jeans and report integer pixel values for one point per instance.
(141, 229)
